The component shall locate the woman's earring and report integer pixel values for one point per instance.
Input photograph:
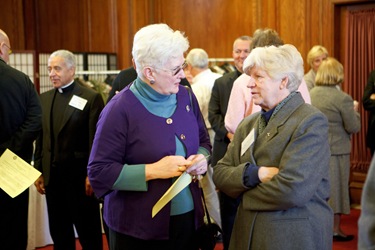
(152, 81)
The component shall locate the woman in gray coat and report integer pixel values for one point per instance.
(278, 161)
(344, 120)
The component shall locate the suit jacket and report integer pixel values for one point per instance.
(20, 112)
(217, 109)
(339, 110)
(75, 135)
(369, 105)
(290, 211)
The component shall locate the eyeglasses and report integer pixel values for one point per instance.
(9, 49)
(178, 69)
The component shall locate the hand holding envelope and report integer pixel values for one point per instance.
(198, 168)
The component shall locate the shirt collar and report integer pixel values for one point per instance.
(65, 88)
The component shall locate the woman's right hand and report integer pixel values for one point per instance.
(167, 167)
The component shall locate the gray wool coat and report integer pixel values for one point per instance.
(343, 119)
(291, 210)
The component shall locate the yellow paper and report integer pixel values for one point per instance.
(15, 174)
(177, 187)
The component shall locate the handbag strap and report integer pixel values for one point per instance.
(205, 207)
(204, 200)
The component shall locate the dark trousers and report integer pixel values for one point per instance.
(228, 211)
(68, 205)
(181, 233)
(13, 217)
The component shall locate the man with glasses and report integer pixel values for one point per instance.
(20, 123)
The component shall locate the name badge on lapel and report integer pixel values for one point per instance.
(78, 102)
(247, 142)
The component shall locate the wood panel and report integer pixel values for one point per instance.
(88, 25)
(102, 26)
(61, 26)
(12, 22)
(292, 23)
(211, 25)
(109, 25)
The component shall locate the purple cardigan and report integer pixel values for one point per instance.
(127, 133)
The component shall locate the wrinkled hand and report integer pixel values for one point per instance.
(167, 167)
(89, 190)
(198, 165)
(266, 173)
(39, 184)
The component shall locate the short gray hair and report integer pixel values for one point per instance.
(155, 44)
(278, 62)
(68, 56)
(197, 58)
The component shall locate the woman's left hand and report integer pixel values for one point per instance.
(199, 165)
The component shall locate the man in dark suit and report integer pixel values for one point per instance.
(70, 113)
(368, 101)
(20, 123)
(216, 113)
(125, 77)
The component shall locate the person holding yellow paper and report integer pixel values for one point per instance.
(20, 123)
(147, 135)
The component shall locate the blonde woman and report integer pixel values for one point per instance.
(315, 57)
(344, 120)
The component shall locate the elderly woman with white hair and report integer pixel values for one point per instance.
(278, 161)
(148, 135)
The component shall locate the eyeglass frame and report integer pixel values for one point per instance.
(9, 48)
(177, 70)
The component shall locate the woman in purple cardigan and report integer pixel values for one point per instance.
(147, 136)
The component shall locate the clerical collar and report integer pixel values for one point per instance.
(66, 88)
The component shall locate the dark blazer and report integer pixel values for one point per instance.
(290, 211)
(20, 123)
(216, 113)
(369, 105)
(125, 77)
(20, 112)
(75, 136)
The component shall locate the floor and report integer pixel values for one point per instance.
(349, 225)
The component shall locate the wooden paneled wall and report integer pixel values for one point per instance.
(109, 25)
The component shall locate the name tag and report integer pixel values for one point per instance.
(78, 102)
(247, 142)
